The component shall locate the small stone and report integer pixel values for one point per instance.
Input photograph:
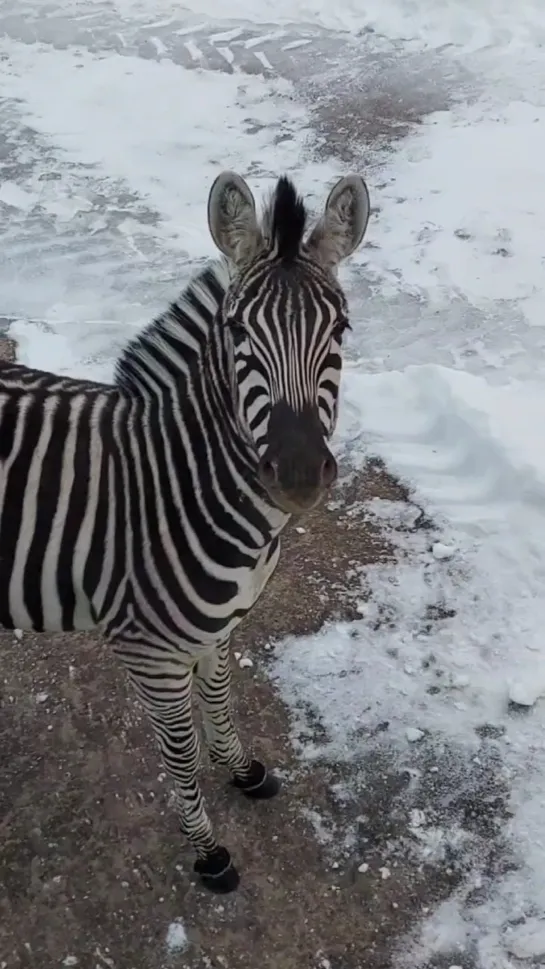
(441, 551)
(70, 961)
(413, 734)
(237, 655)
(525, 694)
(363, 868)
(18, 633)
(418, 818)
(41, 697)
(335, 864)
(245, 663)
(300, 530)
(384, 873)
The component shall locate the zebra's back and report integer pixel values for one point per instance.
(16, 376)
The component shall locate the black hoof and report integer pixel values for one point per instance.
(258, 783)
(217, 873)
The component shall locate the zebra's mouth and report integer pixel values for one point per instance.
(292, 503)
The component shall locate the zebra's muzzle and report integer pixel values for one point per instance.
(297, 467)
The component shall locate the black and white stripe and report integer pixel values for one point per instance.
(146, 508)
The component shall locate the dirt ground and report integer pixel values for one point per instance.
(92, 868)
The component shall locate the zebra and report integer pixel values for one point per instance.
(151, 508)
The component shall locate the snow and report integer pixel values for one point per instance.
(110, 156)
(177, 939)
(464, 22)
(480, 234)
(110, 96)
(527, 941)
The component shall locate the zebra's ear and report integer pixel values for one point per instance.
(232, 218)
(342, 226)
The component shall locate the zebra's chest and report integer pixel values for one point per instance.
(250, 583)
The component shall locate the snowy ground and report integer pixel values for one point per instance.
(114, 119)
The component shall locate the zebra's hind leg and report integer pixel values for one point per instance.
(165, 691)
(213, 685)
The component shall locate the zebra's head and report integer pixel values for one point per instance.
(285, 314)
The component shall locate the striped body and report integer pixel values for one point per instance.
(103, 523)
(152, 508)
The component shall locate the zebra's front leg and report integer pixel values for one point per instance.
(165, 692)
(213, 685)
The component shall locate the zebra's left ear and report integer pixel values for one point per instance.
(342, 226)
(232, 218)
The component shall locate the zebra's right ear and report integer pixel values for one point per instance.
(232, 218)
(343, 224)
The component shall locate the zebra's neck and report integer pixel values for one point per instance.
(179, 368)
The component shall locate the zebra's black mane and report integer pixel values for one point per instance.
(165, 352)
(287, 217)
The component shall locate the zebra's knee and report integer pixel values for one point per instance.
(217, 872)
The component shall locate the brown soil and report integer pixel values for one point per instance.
(91, 864)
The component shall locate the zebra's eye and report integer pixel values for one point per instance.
(341, 327)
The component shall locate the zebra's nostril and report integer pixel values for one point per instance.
(268, 472)
(329, 471)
